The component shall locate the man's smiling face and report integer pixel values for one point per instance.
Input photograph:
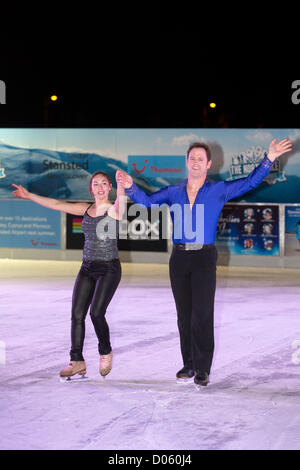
(197, 163)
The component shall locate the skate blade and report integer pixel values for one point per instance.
(200, 387)
(185, 381)
(103, 376)
(81, 378)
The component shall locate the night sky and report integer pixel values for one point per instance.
(167, 82)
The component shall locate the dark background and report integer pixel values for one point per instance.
(104, 79)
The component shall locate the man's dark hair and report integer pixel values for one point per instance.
(199, 145)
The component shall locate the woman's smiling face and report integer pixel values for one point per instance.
(100, 187)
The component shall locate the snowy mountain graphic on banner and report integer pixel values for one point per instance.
(56, 174)
(63, 175)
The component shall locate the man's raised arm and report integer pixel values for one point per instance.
(241, 186)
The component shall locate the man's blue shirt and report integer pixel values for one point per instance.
(211, 196)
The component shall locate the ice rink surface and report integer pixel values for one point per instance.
(252, 401)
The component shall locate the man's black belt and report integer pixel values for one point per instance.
(191, 246)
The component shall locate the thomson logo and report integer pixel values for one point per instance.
(137, 170)
(2, 92)
(154, 166)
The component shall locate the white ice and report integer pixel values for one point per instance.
(252, 402)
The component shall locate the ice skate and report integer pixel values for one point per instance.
(201, 379)
(105, 364)
(184, 375)
(71, 370)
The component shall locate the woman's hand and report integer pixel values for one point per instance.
(21, 192)
(124, 179)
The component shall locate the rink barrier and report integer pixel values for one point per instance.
(225, 257)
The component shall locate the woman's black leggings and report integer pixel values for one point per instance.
(94, 287)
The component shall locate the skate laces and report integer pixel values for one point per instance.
(71, 364)
(106, 359)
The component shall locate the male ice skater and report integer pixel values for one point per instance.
(194, 255)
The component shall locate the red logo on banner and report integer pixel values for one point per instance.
(139, 171)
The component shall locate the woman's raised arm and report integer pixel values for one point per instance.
(75, 208)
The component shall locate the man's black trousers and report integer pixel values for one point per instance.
(193, 281)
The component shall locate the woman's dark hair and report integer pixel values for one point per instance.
(95, 174)
(199, 145)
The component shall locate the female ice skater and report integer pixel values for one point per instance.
(100, 272)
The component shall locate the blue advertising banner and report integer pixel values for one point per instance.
(58, 163)
(248, 230)
(24, 224)
(170, 166)
(292, 231)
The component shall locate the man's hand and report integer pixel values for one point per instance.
(124, 179)
(20, 192)
(278, 148)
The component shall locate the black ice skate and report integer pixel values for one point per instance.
(201, 379)
(184, 375)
